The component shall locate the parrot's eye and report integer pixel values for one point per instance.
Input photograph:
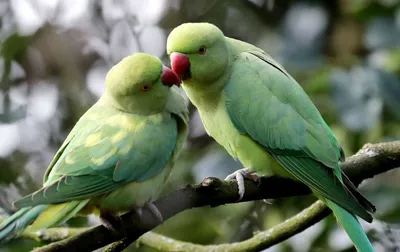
(202, 50)
(146, 87)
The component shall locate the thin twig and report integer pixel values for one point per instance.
(258, 242)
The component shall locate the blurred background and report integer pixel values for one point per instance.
(345, 53)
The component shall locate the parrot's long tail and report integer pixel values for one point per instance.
(352, 227)
(39, 217)
(17, 223)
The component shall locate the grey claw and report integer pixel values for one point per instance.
(239, 176)
(111, 222)
(154, 210)
(241, 187)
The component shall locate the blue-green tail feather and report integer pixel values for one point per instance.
(352, 227)
(16, 224)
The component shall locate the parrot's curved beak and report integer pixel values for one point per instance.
(169, 78)
(180, 64)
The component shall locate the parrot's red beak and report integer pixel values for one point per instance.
(180, 64)
(169, 78)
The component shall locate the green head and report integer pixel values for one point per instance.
(140, 84)
(198, 53)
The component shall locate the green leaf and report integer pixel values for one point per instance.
(14, 46)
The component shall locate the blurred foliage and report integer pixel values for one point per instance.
(346, 54)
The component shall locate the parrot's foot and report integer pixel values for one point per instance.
(240, 175)
(154, 210)
(111, 222)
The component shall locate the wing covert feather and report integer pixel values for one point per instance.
(266, 103)
(114, 149)
(273, 109)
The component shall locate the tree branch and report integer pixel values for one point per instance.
(52, 234)
(258, 242)
(371, 160)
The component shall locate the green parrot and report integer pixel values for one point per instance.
(252, 107)
(118, 155)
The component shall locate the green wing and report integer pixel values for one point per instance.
(105, 150)
(266, 103)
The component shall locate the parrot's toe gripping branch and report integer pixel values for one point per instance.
(111, 222)
(154, 210)
(239, 176)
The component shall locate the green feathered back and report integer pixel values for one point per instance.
(275, 111)
(107, 149)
